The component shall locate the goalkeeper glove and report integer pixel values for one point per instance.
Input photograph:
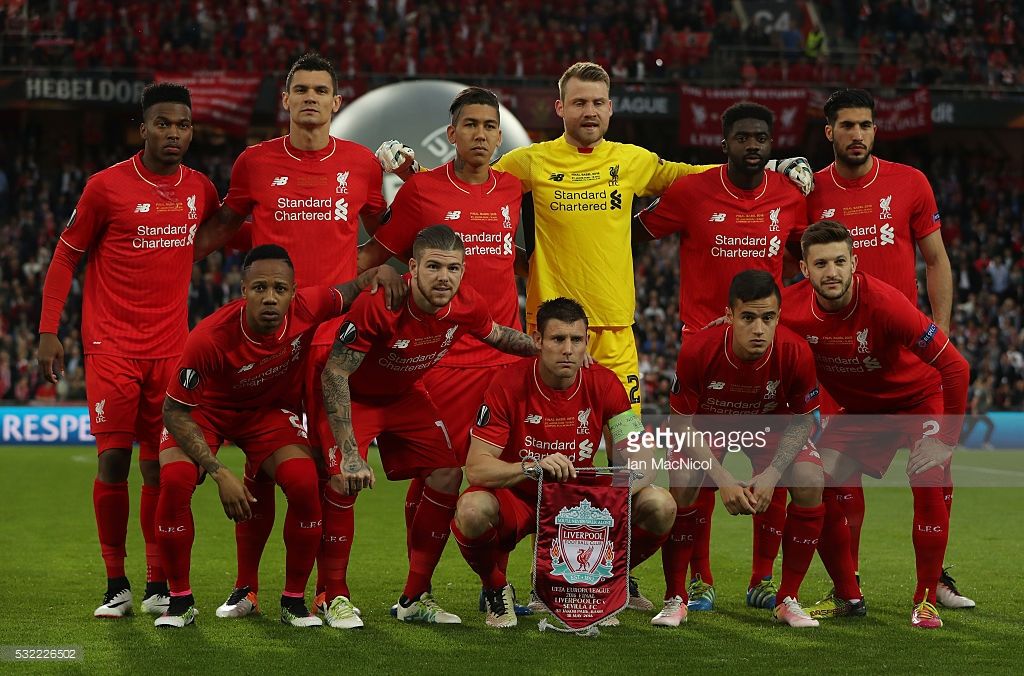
(393, 154)
(797, 170)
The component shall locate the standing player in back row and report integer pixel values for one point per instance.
(482, 206)
(138, 221)
(729, 219)
(583, 188)
(305, 192)
(888, 207)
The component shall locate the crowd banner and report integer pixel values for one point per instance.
(219, 98)
(581, 555)
(700, 113)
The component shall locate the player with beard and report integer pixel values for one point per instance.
(729, 219)
(888, 207)
(138, 221)
(373, 389)
(877, 354)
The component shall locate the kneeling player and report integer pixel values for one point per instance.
(749, 365)
(525, 411)
(239, 378)
(385, 399)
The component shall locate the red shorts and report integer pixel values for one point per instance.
(518, 515)
(126, 399)
(411, 437)
(874, 440)
(258, 432)
(458, 392)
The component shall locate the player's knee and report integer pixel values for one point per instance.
(114, 465)
(656, 510)
(178, 478)
(686, 494)
(446, 479)
(475, 513)
(297, 477)
(150, 470)
(806, 483)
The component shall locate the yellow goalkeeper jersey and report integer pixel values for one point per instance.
(583, 199)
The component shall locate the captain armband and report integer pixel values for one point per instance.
(623, 425)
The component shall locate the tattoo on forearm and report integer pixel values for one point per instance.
(338, 402)
(793, 440)
(178, 421)
(351, 289)
(510, 341)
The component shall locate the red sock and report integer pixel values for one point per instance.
(175, 529)
(700, 563)
(851, 498)
(483, 556)
(768, 527)
(931, 534)
(834, 548)
(412, 502)
(947, 489)
(251, 535)
(302, 522)
(799, 542)
(677, 551)
(336, 546)
(645, 543)
(147, 516)
(110, 503)
(321, 579)
(430, 531)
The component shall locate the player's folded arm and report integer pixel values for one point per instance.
(216, 231)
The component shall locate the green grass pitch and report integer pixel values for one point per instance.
(51, 579)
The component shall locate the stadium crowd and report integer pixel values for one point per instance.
(870, 42)
(981, 228)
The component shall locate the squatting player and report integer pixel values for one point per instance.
(373, 389)
(887, 207)
(305, 192)
(138, 221)
(523, 416)
(730, 218)
(877, 354)
(750, 365)
(240, 378)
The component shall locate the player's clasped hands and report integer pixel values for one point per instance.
(557, 467)
(737, 499)
(761, 488)
(234, 496)
(927, 453)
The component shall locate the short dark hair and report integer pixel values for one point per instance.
(745, 110)
(753, 285)
(563, 309)
(439, 237)
(824, 232)
(312, 61)
(266, 252)
(584, 71)
(165, 92)
(470, 96)
(848, 98)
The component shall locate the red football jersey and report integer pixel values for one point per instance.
(524, 417)
(308, 202)
(226, 365)
(139, 229)
(711, 379)
(887, 210)
(723, 231)
(876, 354)
(486, 216)
(401, 345)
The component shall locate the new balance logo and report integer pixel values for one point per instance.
(453, 216)
(828, 213)
(533, 419)
(556, 177)
(142, 208)
(247, 367)
(717, 217)
(400, 344)
(279, 181)
(716, 385)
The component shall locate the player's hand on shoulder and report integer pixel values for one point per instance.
(718, 322)
(387, 278)
(928, 453)
(51, 357)
(796, 169)
(396, 158)
(558, 467)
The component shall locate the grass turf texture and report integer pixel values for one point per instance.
(51, 579)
